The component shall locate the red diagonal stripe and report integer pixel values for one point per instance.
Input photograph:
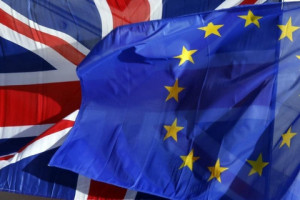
(129, 11)
(38, 104)
(7, 157)
(248, 2)
(59, 45)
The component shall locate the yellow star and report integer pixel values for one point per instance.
(211, 29)
(250, 19)
(188, 160)
(287, 30)
(298, 57)
(174, 91)
(286, 138)
(216, 171)
(172, 130)
(186, 55)
(257, 166)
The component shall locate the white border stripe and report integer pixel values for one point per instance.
(82, 189)
(44, 29)
(261, 1)
(229, 4)
(72, 116)
(66, 71)
(130, 194)
(43, 144)
(22, 131)
(156, 9)
(105, 15)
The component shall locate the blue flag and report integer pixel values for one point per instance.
(198, 107)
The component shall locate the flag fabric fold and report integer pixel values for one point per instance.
(195, 107)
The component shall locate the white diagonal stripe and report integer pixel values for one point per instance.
(43, 144)
(66, 71)
(72, 41)
(229, 4)
(22, 131)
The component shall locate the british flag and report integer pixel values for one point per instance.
(42, 42)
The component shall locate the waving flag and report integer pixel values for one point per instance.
(203, 106)
(41, 43)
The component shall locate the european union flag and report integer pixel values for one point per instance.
(198, 107)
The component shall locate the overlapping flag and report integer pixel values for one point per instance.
(204, 106)
(42, 42)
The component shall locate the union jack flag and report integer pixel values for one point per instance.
(41, 43)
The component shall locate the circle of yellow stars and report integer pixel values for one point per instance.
(186, 55)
